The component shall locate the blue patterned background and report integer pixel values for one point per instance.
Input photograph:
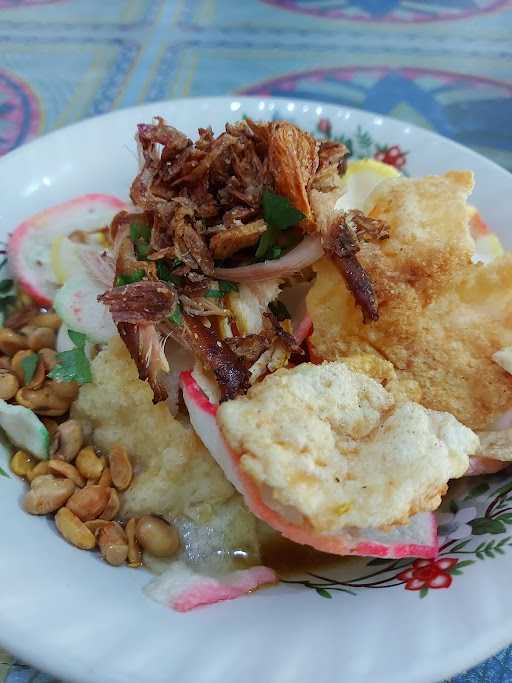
(445, 65)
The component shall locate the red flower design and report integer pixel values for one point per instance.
(428, 574)
(393, 156)
(325, 126)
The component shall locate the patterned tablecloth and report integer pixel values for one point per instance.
(445, 65)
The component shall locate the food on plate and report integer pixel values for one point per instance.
(443, 317)
(173, 473)
(36, 251)
(269, 341)
(339, 453)
(417, 538)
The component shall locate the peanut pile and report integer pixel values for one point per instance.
(82, 489)
(46, 397)
(78, 485)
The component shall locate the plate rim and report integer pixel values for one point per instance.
(32, 144)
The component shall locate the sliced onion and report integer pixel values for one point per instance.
(301, 256)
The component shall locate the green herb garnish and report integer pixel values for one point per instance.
(73, 365)
(79, 339)
(130, 278)
(275, 252)
(142, 250)
(3, 473)
(140, 231)
(279, 214)
(29, 365)
(164, 273)
(140, 234)
(279, 310)
(226, 286)
(176, 316)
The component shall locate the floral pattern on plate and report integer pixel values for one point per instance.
(468, 521)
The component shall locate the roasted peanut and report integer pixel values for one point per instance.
(120, 467)
(134, 552)
(106, 478)
(64, 390)
(9, 385)
(40, 470)
(113, 544)
(112, 507)
(26, 330)
(22, 463)
(156, 536)
(95, 525)
(74, 530)
(51, 425)
(10, 342)
(47, 494)
(67, 442)
(49, 358)
(42, 401)
(5, 363)
(40, 338)
(89, 464)
(66, 469)
(89, 502)
(50, 320)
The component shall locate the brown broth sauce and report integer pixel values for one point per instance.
(288, 558)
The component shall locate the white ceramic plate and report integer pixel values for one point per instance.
(68, 613)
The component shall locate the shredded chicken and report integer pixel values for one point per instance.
(293, 162)
(140, 302)
(145, 345)
(197, 202)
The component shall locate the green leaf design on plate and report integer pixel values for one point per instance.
(505, 517)
(503, 490)
(323, 593)
(483, 525)
(477, 490)
(379, 561)
(464, 563)
(491, 548)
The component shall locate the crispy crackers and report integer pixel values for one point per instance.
(442, 317)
